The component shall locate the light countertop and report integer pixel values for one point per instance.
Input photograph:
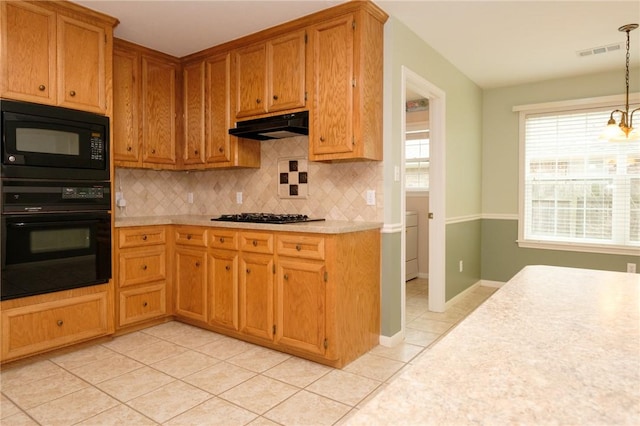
(320, 227)
(552, 346)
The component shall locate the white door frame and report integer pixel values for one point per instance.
(437, 113)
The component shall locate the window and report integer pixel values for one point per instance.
(576, 189)
(417, 160)
(417, 145)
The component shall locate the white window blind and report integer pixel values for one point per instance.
(579, 189)
(417, 160)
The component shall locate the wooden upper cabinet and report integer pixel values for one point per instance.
(332, 76)
(218, 118)
(206, 103)
(81, 58)
(251, 80)
(345, 62)
(126, 106)
(28, 52)
(270, 77)
(286, 71)
(52, 53)
(193, 77)
(158, 111)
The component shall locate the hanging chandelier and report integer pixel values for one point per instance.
(624, 131)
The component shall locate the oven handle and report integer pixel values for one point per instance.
(56, 223)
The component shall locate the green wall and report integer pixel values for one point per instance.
(501, 256)
(463, 163)
(463, 244)
(502, 259)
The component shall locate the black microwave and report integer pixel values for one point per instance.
(48, 142)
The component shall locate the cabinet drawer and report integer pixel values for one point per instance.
(141, 236)
(31, 329)
(256, 242)
(303, 246)
(143, 303)
(191, 236)
(223, 239)
(142, 266)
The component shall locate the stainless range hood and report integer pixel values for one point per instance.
(276, 127)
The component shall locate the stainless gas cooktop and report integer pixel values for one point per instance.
(266, 218)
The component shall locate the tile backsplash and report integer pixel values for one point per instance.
(336, 191)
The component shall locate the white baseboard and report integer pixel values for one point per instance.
(392, 341)
(487, 283)
(460, 295)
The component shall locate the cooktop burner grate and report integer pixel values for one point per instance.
(265, 218)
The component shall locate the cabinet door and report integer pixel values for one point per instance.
(28, 54)
(332, 73)
(251, 80)
(223, 288)
(286, 62)
(81, 65)
(256, 295)
(126, 70)
(218, 149)
(301, 305)
(158, 111)
(190, 281)
(194, 120)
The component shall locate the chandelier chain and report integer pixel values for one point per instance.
(627, 68)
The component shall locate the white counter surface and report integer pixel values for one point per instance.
(320, 227)
(552, 346)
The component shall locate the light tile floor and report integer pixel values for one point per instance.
(175, 374)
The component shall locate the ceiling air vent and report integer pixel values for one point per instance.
(599, 50)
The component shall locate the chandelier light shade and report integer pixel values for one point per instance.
(623, 131)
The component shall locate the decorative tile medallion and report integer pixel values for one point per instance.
(293, 178)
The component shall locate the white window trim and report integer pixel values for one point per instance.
(615, 101)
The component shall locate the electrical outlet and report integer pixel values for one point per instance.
(238, 197)
(190, 197)
(631, 267)
(461, 266)
(371, 197)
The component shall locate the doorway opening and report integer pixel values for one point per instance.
(419, 95)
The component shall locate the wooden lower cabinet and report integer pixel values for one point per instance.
(222, 269)
(190, 272)
(315, 296)
(190, 283)
(256, 295)
(142, 273)
(302, 305)
(40, 323)
(142, 303)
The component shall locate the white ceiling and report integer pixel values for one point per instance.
(495, 43)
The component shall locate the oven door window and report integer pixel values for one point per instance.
(60, 240)
(43, 253)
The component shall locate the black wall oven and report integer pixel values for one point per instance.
(45, 142)
(55, 236)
